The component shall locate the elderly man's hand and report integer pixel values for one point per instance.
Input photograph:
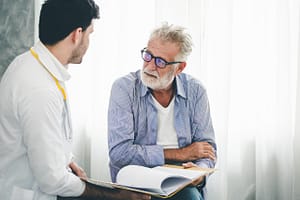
(189, 165)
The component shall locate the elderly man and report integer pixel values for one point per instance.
(160, 115)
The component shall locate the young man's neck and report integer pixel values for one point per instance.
(60, 52)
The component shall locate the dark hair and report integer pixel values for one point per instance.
(58, 18)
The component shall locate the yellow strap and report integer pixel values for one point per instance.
(36, 56)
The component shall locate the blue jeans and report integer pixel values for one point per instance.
(188, 193)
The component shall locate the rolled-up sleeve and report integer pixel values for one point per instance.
(202, 126)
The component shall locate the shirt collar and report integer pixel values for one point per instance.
(144, 90)
(51, 63)
(179, 87)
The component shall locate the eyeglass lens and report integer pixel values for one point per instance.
(159, 62)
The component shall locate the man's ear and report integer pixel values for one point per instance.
(77, 35)
(180, 68)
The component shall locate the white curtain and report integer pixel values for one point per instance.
(246, 53)
(251, 57)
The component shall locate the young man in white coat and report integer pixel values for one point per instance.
(35, 125)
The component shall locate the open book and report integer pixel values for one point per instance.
(162, 181)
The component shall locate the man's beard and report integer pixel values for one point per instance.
(152, 80)
(77, 54)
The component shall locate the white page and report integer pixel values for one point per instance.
(190, 174)
(142, 177)
(173, 183)
(150, 179)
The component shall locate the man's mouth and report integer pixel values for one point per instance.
(150, 74)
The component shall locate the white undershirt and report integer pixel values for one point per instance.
(166, 134)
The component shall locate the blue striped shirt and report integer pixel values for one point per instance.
(133, 123)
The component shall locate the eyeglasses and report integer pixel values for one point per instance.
(159, 62)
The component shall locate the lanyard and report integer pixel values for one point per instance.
(67, 123)
(60, 88)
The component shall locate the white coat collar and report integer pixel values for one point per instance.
(51, 63)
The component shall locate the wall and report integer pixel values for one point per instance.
(16, 29)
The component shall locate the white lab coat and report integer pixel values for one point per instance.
(35, 136)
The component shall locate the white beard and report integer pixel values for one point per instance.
(155, 82)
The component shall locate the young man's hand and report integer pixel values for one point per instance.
(78, 171)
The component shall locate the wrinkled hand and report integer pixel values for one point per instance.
(78, 171)
(189, 165)
(199, 150)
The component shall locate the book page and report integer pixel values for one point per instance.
(162, 181)
(149, 179)
(190, 174)
(113, 186)
(100, 183)
(173, 184)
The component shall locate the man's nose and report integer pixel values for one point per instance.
(151, 65)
